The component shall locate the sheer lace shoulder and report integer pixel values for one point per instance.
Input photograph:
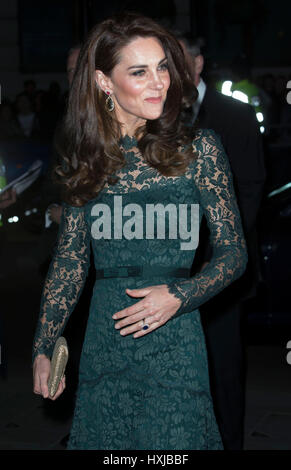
(213, 178)
(65, 279)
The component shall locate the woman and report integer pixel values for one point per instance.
(143, 379)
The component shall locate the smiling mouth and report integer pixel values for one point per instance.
(154, 100)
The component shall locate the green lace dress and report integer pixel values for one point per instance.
(150, 392)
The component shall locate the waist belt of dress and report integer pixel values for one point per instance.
(142, 271)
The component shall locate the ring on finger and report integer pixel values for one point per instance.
(144, 325)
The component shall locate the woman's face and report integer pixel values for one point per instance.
(138, 83)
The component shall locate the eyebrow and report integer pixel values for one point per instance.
(144, 66)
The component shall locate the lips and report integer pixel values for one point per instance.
(154, 100)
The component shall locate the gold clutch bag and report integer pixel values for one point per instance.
(58, 365)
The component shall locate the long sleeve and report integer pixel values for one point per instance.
(213, 178)
(65, 279)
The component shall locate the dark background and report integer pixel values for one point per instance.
(260, 28)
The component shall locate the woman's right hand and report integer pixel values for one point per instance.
(41, 372)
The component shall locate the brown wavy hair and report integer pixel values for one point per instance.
(89, 139)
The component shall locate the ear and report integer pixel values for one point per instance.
(103, 82)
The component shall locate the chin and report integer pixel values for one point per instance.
(154, 115)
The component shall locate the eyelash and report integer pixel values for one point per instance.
(139, 73)
(164, 66)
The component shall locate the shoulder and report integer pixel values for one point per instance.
(228, 104)
(205, 141)
(73, 211)
(66, 205)
(211, 158)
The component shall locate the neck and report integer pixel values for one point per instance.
(129, 124)
(130, 131)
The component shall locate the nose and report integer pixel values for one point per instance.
(156, 81)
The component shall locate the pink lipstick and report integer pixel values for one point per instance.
(154, 100)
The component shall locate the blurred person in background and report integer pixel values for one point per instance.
(285, 113)
(7, 198)
(26, 117)
(52, 107)
(9, 127)
(237, 126)
(29, 89)
(51, 191)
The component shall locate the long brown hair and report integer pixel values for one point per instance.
(90, 134)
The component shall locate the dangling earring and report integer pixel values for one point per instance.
(109, 102)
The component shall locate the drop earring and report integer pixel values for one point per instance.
(109, 102)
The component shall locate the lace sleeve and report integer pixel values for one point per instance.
(213, 178)
(65, 279)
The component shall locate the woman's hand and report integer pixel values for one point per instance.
(156, 308)
(55, 213)
(7, 198)
(41, 372)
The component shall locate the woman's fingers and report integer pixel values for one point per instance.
(43, 384)
(156, 309)
(36, 385)
(135, 308)
(149, 320)
(41, 371)
(131, 329)
(132, 319)
(129, 311)
(61, 388)
(152, 326)
(41, 376)
(40, 384)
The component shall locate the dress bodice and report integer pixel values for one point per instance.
(148, 219)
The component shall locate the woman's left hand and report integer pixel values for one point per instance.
(156, 308)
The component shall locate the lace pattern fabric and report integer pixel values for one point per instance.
(213, 179)
(137, 175)
(65, 279)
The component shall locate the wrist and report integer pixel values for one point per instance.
(39, 357)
